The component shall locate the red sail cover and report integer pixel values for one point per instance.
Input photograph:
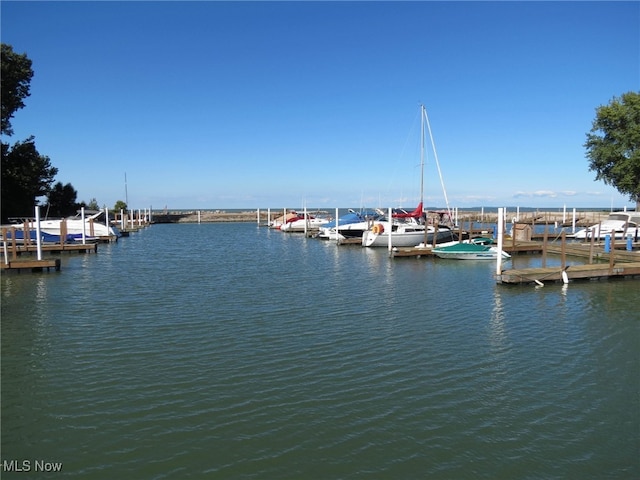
(417, 213)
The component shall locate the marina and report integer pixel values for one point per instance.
(309, 359)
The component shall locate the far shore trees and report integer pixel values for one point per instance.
(120, 205)
(613, 145)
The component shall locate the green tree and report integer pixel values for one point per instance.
(613, 145)
(120, 205)
(26, 175)
(16, 81)
(93, 205)
(62, 200)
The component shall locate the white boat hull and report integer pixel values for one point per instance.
(313, 224)
(618, 225)
(491, 254)
(403, 235)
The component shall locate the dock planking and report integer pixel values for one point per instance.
(573, 272)
(33, 265)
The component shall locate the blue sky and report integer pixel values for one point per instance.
(222, 105)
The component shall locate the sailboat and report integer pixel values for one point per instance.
(408, 229)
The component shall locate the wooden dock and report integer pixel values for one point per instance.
(511, 248)
(33, 265)
(573, 272)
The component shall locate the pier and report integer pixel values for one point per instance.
(571, 272)
(31, 264)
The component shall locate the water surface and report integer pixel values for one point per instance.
(232, 351)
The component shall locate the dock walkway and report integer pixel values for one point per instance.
(30, 264)
(572, 272)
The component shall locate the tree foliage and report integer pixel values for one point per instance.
(120, 205)
(16, 82)
(613, 145)
(62, 200)
(93, 205)
(26, 175)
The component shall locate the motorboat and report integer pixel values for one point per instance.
(619, 225)
(470, 251)
(278, 222)
(76, 227)
(304, 223)
(17, 234)
(350, 225)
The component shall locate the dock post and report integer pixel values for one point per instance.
(607, 243)
(500, 235)
(629, 243)
(337, 229)
(389, 234)
(84, 225)
(545, 242)
(38, 239)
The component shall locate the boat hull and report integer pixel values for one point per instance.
(398, 239)
(469, 251)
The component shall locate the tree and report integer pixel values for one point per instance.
(16, 81)
(62, 200)
(93, 205)
(120, 205)
(26, 175)
(613, 145)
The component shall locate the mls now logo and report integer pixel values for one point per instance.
(29, 466)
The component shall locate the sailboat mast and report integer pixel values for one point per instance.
(435, 155)
(422, 141)
(126, 193)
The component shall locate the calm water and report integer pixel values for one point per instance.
(231, 351)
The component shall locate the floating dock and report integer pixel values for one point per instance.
(33, 265)
(572, 272)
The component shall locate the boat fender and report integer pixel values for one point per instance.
(378, 228)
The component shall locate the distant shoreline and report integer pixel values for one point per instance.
(530, 216)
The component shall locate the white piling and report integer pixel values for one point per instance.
(122, 219)
(390, 228)
(337, 230)
(573, 222)
(198, 216)
(564, 214)
(4, 250)
(106, 219)
(306, 219)
(258, 217)
(84, 227)
(38, 239)
(500, 235)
